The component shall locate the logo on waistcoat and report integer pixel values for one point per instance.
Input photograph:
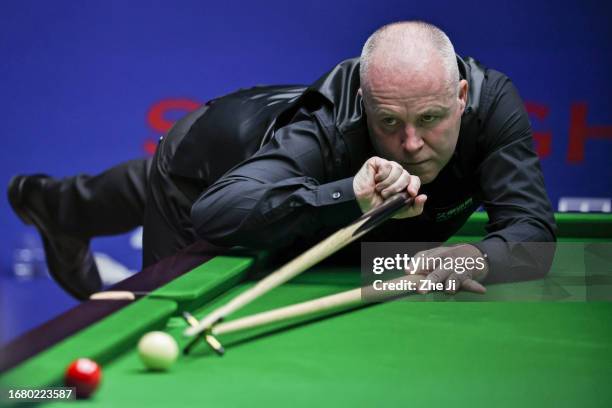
(448, 214)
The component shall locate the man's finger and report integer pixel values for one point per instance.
(421, 268)
(437, 276)
(383, 169)
(398, 185)
(419, 204)
(413, 210)
(373, 166)
(394, 173)
(452, 283)
(371, 169)
(414, 185)
(473, 286)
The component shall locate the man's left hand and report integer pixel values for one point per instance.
(470, 267)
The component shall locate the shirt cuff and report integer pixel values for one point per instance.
(496, 252)
(337, 203)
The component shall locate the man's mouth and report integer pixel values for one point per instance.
(416, 163)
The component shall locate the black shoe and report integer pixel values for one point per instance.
(69, 259)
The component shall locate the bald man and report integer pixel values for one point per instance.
(278, 167)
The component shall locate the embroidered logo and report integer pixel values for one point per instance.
(445, 215)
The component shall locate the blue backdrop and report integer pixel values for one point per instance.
(86, 85)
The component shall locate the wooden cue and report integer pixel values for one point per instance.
(317, 253)
(340, 300)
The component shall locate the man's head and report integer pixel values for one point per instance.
(413, 96)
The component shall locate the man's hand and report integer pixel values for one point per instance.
(379, 179)
(469, 266)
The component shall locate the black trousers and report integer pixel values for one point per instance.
(134, 193)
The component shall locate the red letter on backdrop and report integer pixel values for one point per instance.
(543, 140)
(579, 132)
(156, 117)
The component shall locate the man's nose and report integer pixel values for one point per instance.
(412, 142)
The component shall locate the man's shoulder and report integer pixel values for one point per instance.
(333, 95)
(337, 82)
(258, 96)
(339, 87)
(485, 85)
(488, 104)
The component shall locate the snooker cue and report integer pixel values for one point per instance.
(117, 295)
(336, 301)
(209, 338)
(348, 298)
(317, 253)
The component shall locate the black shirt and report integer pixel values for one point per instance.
(278, 166)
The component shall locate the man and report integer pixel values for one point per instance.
(272, 167)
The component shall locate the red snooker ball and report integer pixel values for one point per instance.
(85, 375)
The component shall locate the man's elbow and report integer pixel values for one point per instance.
(208, 225)
(229, 231)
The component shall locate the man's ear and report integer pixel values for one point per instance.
(360, 93)
(463, 93)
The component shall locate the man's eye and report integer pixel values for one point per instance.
(389, 121)
(428, 118)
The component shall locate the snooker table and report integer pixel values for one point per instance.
(535, 343)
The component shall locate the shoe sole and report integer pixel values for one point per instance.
(14, 188)
(29, 218)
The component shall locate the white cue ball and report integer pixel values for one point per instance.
(157, 350)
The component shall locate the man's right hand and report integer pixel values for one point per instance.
(379, 179)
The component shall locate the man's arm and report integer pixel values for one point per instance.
(280, 194)
(521, 229)
(513, 192)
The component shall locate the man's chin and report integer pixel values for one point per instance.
(428, 176)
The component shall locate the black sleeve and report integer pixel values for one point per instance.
(513, 192)
(280, 194)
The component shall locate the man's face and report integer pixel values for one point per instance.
(415, 121)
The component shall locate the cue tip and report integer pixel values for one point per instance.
(214, 344)
(208, 337)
